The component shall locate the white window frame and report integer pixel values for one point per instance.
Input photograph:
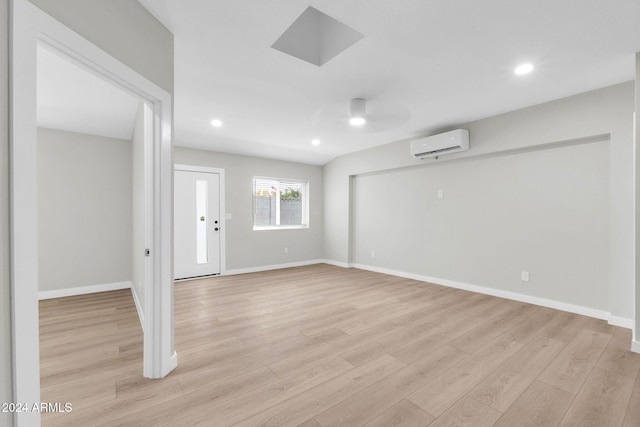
(305, 205)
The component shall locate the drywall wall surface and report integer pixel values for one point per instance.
(544, 212)
(138, 238)
(122, 28)
(6, 377)
(594, 116)
(84, 210)
(246, 248)
(619, 117)
(337, 210)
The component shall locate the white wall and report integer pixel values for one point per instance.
(600, 172)
(6, 380)
(246, 248)
(84, 210)
(545, 212)
(138, 240)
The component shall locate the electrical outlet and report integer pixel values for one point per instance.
(286, 250)
(373, 254)
(440, 194)
(524, 276)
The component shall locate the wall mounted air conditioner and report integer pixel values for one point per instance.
(443, 143)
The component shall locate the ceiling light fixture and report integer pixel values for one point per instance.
(315, 141)
(358, 107)
(523, 69)
(216, 123)
(357, 121)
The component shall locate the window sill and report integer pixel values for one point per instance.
(281, 227)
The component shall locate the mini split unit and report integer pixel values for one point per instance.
(443, 143)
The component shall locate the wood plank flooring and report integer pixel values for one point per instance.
(322, 345)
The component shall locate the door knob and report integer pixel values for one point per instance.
(216, 228)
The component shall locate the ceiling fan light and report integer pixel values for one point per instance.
(357, 121)
(358, 107)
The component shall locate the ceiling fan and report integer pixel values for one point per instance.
(361, 115)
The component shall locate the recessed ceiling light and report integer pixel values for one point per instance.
(523, 69)
(216, 123)
(315, 141)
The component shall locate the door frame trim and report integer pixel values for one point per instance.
(29, 26)
(222, 213)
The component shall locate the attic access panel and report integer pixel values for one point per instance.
(316, 38)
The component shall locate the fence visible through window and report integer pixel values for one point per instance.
(278, 203)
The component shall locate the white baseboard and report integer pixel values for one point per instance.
(92, 289)
(82, 290)
(173, 361)
(136, 300)
(623, 322)
(635, 346)
(336, 263)
(272, 267)
(572, 308)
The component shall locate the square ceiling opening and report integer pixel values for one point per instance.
(316, 38)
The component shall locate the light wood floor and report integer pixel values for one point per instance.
(323, 345)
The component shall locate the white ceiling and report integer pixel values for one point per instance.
(72, 99)
(426, 65)
(423, 66)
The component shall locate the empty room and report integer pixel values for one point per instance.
(345, 213)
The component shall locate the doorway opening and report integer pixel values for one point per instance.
(90, 149)
(31, 27)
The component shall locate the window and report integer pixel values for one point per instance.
(279, 203)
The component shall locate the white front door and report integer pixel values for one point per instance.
(197, 224)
